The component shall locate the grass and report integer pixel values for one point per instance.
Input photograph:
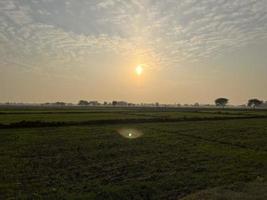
(186, 159)
(78, 115)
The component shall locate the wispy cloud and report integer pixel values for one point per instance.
(164, 33)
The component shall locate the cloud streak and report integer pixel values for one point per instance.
(163, 33)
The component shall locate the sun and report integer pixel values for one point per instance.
(139, 70)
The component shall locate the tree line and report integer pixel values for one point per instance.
(252, 103)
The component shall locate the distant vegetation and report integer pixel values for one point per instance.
(254, 103)
(221, 102)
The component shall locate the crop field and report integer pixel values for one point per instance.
(133, 153)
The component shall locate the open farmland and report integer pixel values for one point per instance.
(80, 115)
(79, 153)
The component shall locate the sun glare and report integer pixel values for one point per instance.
(139, 70)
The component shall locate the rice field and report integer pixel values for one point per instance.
(147, 154)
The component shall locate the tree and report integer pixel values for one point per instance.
(60, 103)
(221, 102)
(114, 103)
(83, 103)
(253, 103)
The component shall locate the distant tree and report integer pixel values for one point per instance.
(60, 103)
(83, 103)
(253, 103)
(221, 102)
(196, 105)
(114, 103)
(93, 103)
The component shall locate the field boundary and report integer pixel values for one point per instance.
(39, 124)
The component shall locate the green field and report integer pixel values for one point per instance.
(12, 116)
(180, 153)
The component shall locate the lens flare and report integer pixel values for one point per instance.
(130, 133)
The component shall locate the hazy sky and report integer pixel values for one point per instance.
(191, 50)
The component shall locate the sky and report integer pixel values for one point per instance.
(190, 50)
